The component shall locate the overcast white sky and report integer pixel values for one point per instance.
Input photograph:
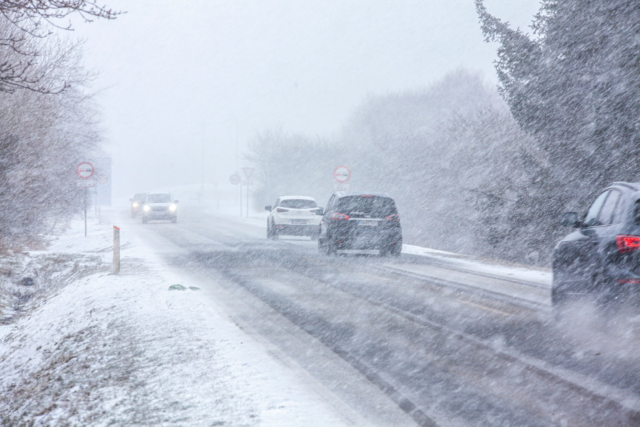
(178, 77)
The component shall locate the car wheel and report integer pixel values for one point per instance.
(144, 220)
(274, 232)
(174, 219)
(268, 229)
(330, 248)
(558, 296)
(396, 249)
(314, 235)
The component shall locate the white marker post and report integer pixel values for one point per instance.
(235, 180)
(116, 250)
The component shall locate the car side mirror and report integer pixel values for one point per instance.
(320, 211)
(267, 208)
(570, 219)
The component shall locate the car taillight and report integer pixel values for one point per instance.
(394, 217)
(282, 210)
(339, 216)
(627, 243)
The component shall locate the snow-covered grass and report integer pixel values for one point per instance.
(94, 348)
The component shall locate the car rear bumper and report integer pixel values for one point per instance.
(367, 241)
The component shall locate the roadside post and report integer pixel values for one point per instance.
(341, 175)
(116, 250)
(235, 180)
(247, 173)
(85, 170)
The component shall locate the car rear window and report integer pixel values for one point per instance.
(298, 204)
(370, 206)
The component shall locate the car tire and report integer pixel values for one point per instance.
(314, 235)
(268, 229)
(274, 232)
(330, 248)
(174, 219)
(396, 250)
(145, 220)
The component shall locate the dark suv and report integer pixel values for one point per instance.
(603, 254)
(360, 221)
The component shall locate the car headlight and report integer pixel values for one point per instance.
(135, 205)
(146, 208)
(173, 207)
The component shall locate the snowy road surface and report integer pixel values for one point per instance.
(433, 339)
(442, 355)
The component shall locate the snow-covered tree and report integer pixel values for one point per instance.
(574, 84)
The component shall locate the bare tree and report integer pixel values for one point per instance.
(31, 22)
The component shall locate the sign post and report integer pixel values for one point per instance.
(85, 170)
(341, 175)
(247, 173)
(116, 250)
(235, 180)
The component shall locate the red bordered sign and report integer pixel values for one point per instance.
(342, 174)
(85, 170)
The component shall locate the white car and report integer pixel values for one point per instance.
(159, 206)
(293, 215)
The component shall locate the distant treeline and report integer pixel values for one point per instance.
(486, 171)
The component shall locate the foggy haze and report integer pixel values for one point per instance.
(176, 80)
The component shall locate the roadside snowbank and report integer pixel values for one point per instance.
(123, 349)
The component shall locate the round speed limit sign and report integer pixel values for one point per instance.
(342, 174)
(235, 179)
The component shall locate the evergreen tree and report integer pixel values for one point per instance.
(574, 84)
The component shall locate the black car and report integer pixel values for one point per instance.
(136, 203)
(360, 221)
(602, 256)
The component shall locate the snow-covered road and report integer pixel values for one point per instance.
(277, 334)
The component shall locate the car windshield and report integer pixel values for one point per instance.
(371, 206)
(298, 204)
(159, 198)
(139, 196)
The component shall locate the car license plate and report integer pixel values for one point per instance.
(298, 222)
(368, 223)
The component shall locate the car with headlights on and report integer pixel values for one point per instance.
(159, 206)
(360, 221)
(601, 256)
(293, 215)
(136, 203)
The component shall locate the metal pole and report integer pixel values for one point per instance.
(85, 211)
(116, 250)
(247, 198)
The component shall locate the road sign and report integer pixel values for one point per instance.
(103, 179)
(341, 187)
(342, 174)
(247, 172)
(235, 179)
(86, 183)
(85, 170)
